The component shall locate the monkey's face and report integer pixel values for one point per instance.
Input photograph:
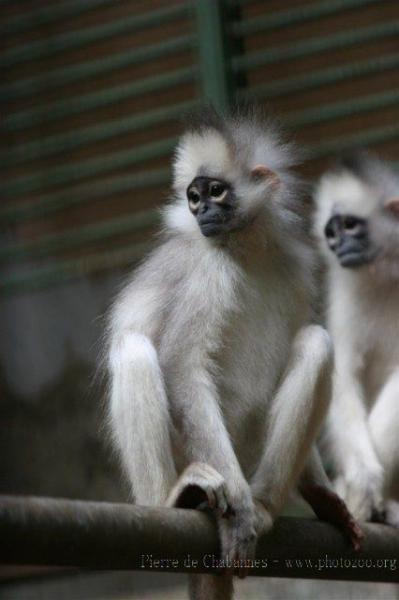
(348, 237)
(357, 216)
(213, 203)
(224, 182)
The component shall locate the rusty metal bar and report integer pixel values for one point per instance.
(99, 535)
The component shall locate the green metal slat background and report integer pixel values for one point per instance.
(321, 78)
(217, 63)
(337, 110)
(320, 44)
(50, 244)
(53, 202)
(295, 16)
(39, 16)
(48, 146)
(67, 270)
(105, 65)
(66, 174)
(79, 38)
(66, 108)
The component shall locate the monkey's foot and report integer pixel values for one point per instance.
(391, 516)
(200, 486)
(328, 506)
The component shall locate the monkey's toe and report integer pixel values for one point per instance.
(330, 507)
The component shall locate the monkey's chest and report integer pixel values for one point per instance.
(381, 356)
(253, 358)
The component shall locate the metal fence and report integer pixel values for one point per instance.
(92, 93)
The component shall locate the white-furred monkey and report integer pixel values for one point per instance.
(357, 223)
(218, 382)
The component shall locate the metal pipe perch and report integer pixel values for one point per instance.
(100, 535)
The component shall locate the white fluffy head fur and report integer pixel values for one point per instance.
(359, 185)
(230, 148)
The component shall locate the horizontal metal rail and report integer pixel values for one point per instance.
(82, 37)
(64, 271)
(342, 109)
(53, 202)
(54, 111)
(65, 142)
(322, 77)
(30, 19)
(52, 79)
(94, 535)
(78, 138)
(50, 244)
(77, 171)
(301, 49)
(369, 137)
(295, 16)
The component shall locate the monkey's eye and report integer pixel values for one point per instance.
(329, 231)
(193, 196)
(350, 223)
(217, 189)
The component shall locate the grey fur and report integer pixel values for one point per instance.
(363, 318)
(218, 380)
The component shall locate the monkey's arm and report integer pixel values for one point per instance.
(359, 474)
(213, 470)
(384, 426)
(201, 423)
(139, 417)
(358, 471)
(297, 412)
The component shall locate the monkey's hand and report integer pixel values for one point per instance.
(361, 487)
(239, 532)
(240, 519)
(200, 486)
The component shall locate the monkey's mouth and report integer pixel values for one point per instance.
(214, 225)
(210, 228)
(354, 259)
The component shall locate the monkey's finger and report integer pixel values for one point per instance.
(240, 547)
(211, 497)
(351, 529)
(356, 536)
(227, 540)
(243, 552)
(223, 505)
(246, 553)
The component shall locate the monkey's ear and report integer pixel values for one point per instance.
(393, 206)
(263, 173)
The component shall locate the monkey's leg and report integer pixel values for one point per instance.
(384, 426)
(328, 506)
(297, 412)
(140, 418)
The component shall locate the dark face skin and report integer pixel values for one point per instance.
(213, 203)
(348, 237)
